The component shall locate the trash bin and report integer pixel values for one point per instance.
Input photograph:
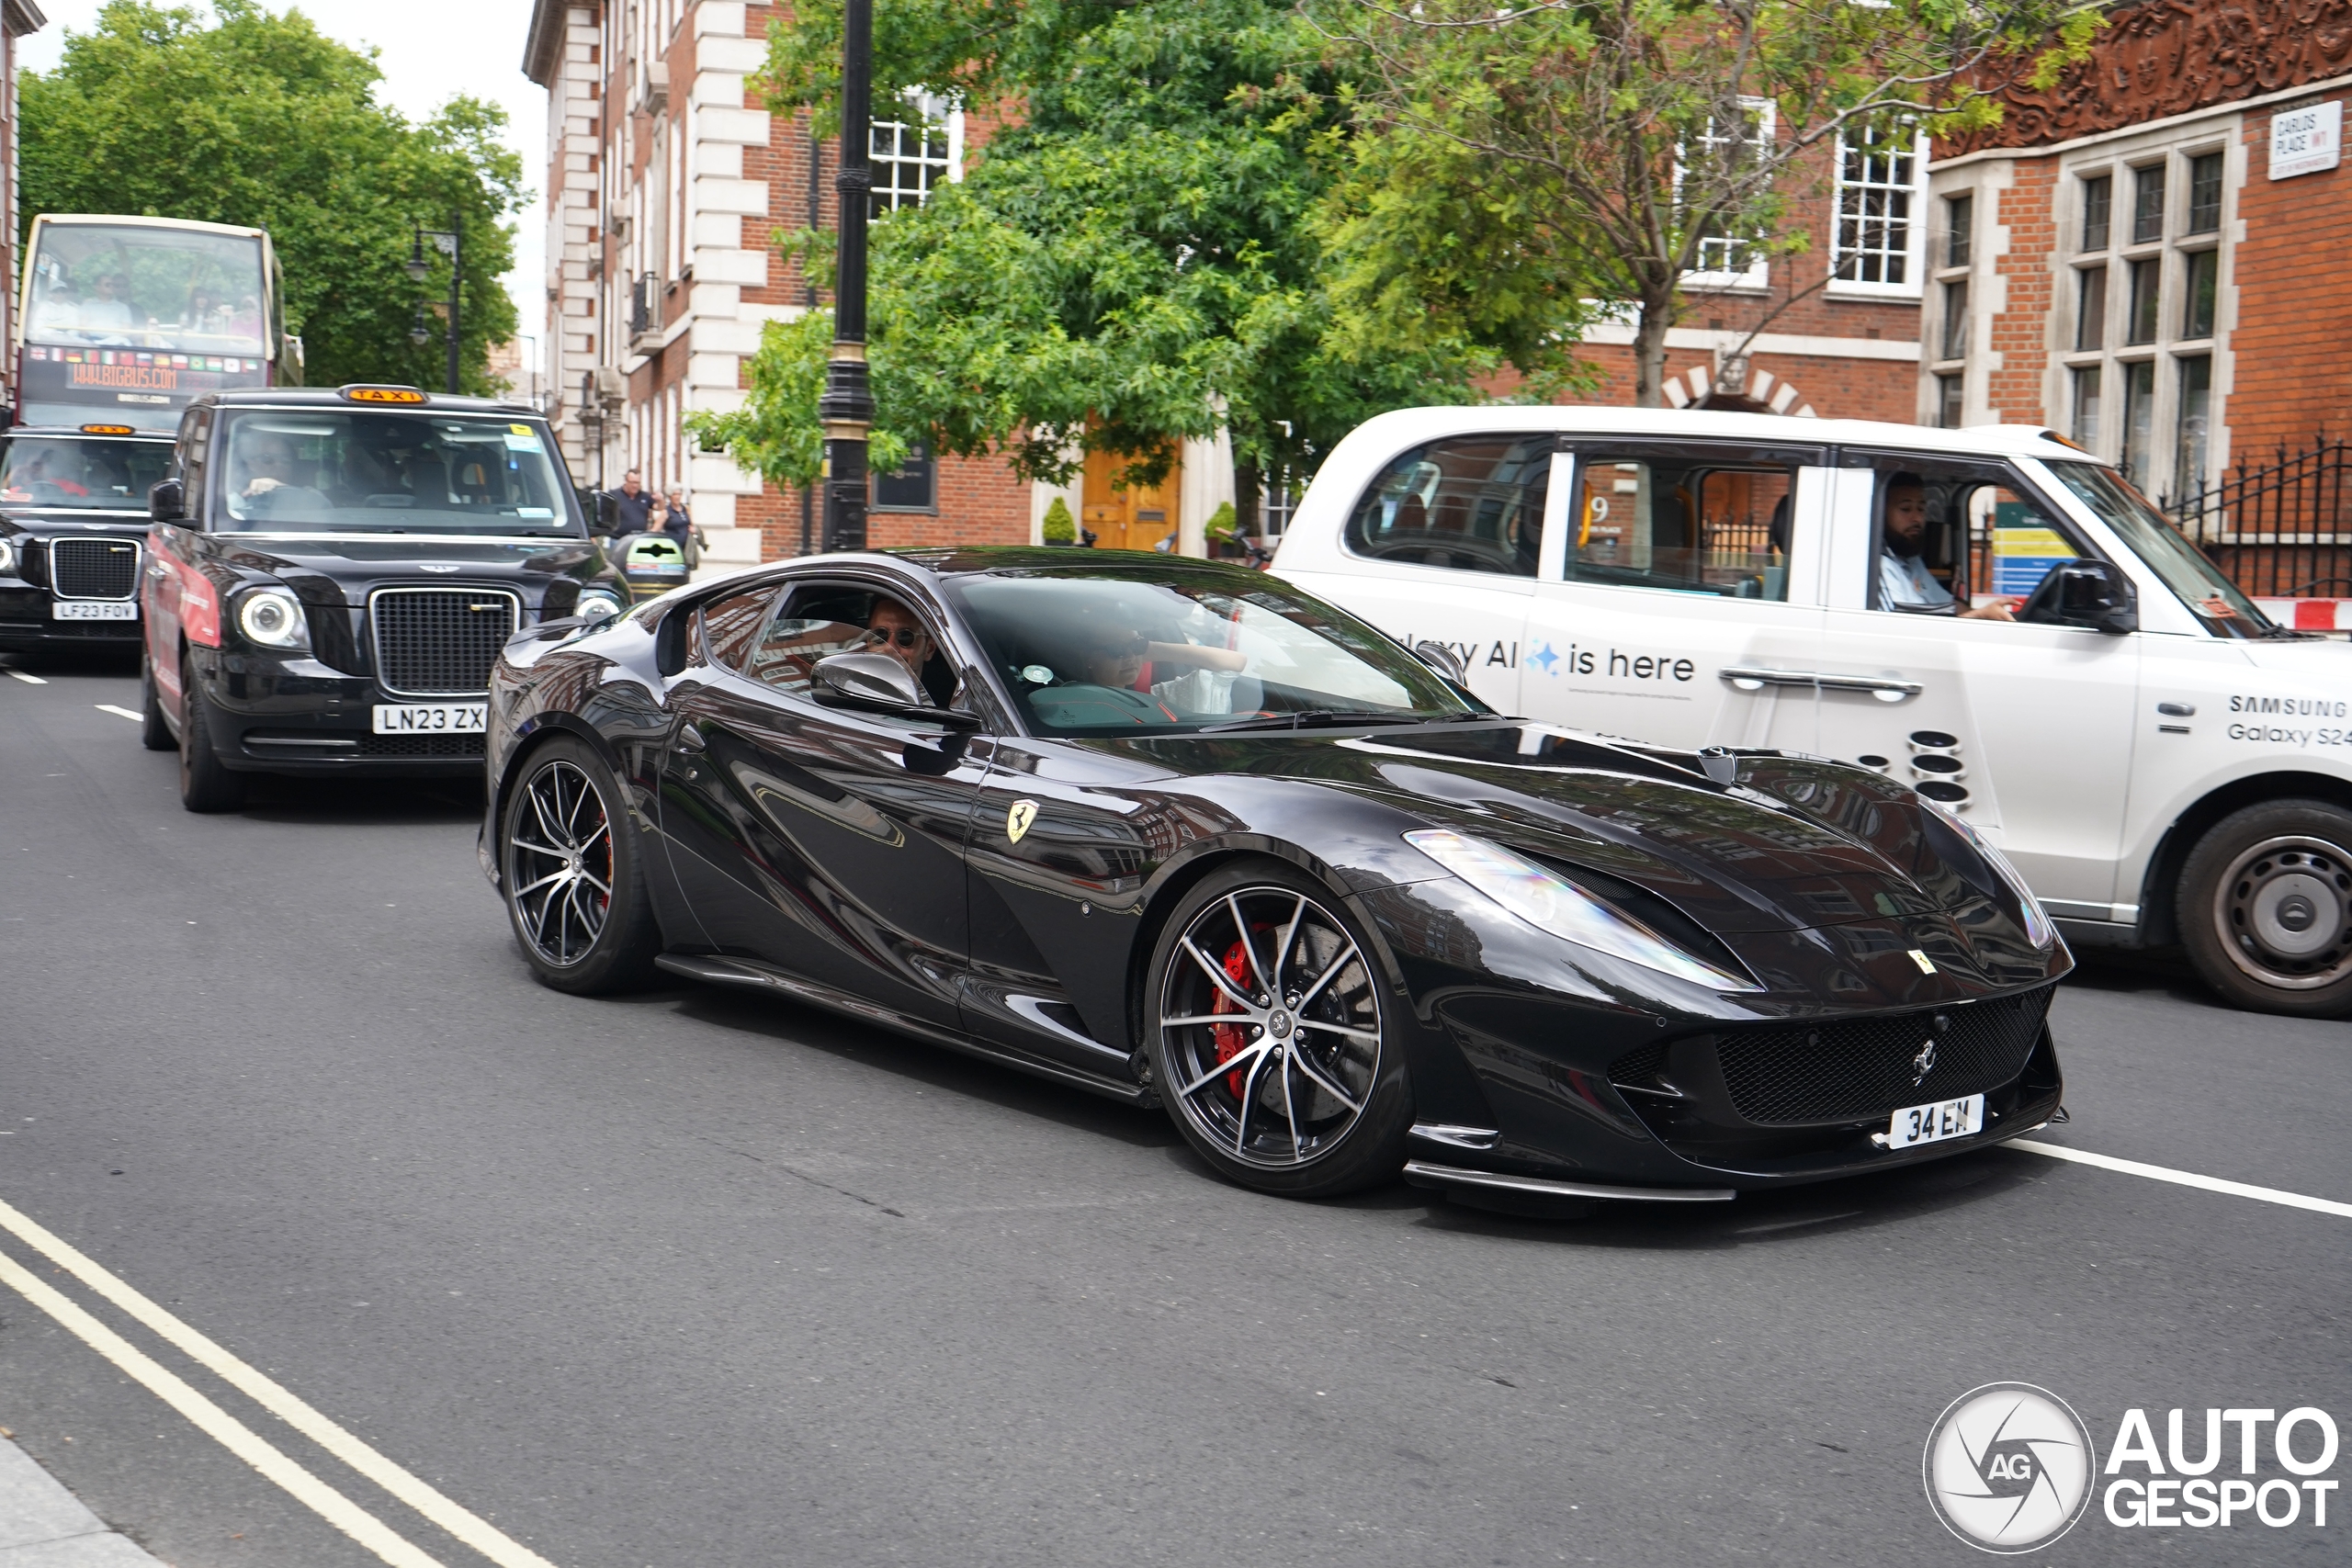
(652, 564)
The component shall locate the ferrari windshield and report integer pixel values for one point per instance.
(1121, 650)
(327, 470)
(82, 473)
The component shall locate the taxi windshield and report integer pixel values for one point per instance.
(80, 472)
(1125, 650)
(147, 288)
(300, 471)
(2223, 607)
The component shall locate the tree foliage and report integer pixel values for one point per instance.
(1127, 264)
(254, 119)
(1522, 168)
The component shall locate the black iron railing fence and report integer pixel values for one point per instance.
(2281, 529)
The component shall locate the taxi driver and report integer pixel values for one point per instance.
(1904, 581)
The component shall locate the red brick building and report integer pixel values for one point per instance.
(2146, 256)
(1832, 330)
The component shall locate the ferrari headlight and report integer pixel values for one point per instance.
(272, 617)
(2038, 929)
(1552, 903)
(597, 605)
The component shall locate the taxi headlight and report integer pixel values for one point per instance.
(1552, 903)
(272, 617)
(2038, 929)
(7, 558)
(597, 605)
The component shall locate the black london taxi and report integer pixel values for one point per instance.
(333, 572)
(73, 529)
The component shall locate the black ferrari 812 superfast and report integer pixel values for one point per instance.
(1177, 833)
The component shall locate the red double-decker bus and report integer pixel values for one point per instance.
(124, 320)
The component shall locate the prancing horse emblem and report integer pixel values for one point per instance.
(1923, 1064)
(1017, 820)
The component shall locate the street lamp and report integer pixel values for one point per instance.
(450, 243)
(847, 406)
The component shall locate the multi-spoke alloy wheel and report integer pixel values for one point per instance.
(2266, 907)
(1270, 1046)
(572, 882)
(561, 849)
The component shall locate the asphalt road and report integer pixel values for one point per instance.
(696, 1278)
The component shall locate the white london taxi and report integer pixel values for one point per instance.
(1990, 615)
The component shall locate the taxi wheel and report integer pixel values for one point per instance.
(1267, 1030)
(205, 785)
(2265, 907)
(153, 733)
(572, 874)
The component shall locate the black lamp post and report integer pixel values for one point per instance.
(450, 243)
(847, 406)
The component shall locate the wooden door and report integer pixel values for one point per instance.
(1129, 519)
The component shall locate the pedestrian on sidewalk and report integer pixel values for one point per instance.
(680, 524)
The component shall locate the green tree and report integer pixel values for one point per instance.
(254, 119)
(1127, 263)
(1525, 168)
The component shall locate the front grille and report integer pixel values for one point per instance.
(1860, 1068)
(94, 569)
(450, 746)
(440, 642)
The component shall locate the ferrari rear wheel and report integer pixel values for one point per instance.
(1269, 1038)
(573, 875)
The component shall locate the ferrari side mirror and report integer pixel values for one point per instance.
(1443, 659)
(878, 682)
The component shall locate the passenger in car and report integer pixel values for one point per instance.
(1904, 581)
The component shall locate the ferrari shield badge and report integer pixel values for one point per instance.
(1017, 820)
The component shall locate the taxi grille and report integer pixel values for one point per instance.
(440, 642)
(1858, 1068)
(94, 569)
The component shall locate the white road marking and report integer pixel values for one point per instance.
(118, 713)
(2188, 1179)
(27, 680)
(451, 1516)
(218, 1424)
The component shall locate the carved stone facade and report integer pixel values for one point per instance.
(2172, 57)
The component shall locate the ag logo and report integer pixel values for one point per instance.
(1017, 820)
(2009, 1467)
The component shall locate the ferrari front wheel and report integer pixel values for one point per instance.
(1269, 1037)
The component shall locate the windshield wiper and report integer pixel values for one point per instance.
(1316, 718)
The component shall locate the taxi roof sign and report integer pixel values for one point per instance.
(109, 430)
(358, 394)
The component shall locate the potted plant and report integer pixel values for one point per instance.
(1061, 527)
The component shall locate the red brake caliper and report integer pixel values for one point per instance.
(1232, 1038)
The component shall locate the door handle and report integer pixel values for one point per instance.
(690, 742)
(1752, 678)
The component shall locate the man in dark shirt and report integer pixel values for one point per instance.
(631, 505)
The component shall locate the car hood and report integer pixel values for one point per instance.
(349, 568)
(20, 521)
(1795, 843)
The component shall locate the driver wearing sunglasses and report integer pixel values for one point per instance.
(892, 629)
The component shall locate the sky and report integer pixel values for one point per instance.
(429, 51)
